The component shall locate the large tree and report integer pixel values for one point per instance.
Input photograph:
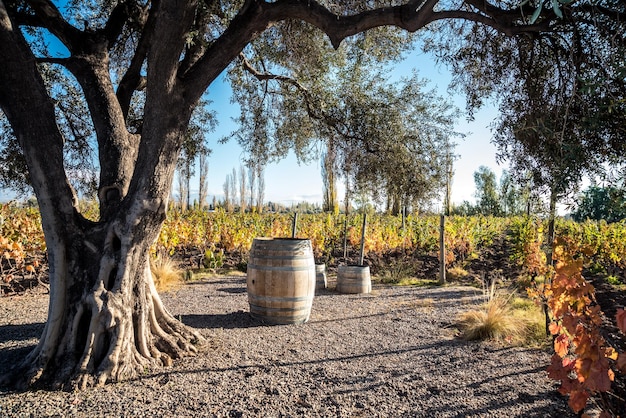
(142, 68)
(560, 94)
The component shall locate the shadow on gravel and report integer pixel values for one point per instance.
(20, 332)
(557, 408)
(211, 281)
(232, 281)
(232, 289)
(317, 361)
(231, 320)
(348, 318)
(433, 292)
(9, 358)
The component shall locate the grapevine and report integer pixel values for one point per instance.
(583, 361)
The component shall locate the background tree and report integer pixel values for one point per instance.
(502, 197)
(233, 187)
(184, 178)
(252, 190)
(243, 189)
(596, 202)
(514, 198)
(203, 177)
(228, 199)
(329, 170)
(488, 200)
(449, 166)
(260, 175)
(194, 146)
(142, 69)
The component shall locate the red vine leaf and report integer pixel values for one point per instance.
(578, 400)
(561, 345)
(621, 320)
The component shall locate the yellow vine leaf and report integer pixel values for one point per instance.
(554, 328)
(610, 353)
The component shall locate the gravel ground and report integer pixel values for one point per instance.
(391, 353)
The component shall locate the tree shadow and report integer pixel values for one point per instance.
(10, 360)
(232, 320)
(20, 332)
(229, 281)
(324, 360)
(232, 289)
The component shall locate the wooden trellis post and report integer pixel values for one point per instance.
(442, 250)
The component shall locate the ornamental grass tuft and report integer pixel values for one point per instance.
(504, 318)
(165, 274)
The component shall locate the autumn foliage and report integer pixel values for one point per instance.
(21, 244)
(583, 362)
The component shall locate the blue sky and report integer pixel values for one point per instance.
(288, 182)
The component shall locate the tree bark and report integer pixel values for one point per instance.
(106, 321)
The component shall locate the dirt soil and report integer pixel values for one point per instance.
(390, 353)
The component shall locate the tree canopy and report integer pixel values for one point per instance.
(560, 94)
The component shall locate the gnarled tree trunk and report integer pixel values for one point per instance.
(106, 321)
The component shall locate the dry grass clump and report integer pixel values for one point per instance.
(397, 271)
(456, 273)
(165, 274)
(503, 318)
(495, 321)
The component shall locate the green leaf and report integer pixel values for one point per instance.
(535, 15)
(557, 9)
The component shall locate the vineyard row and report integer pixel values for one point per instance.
(22, 243)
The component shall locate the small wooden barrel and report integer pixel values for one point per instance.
(354, 279)
(320, 276)
(281, 280)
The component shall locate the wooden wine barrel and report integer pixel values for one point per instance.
(354, 279)
(281, 280)
(320, 276)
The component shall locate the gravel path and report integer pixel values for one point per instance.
(391, 353)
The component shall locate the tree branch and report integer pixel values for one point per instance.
(335, 124)
(52, 20)
(256, 16)
(132, 79)
(308, 100)
(119, 17)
